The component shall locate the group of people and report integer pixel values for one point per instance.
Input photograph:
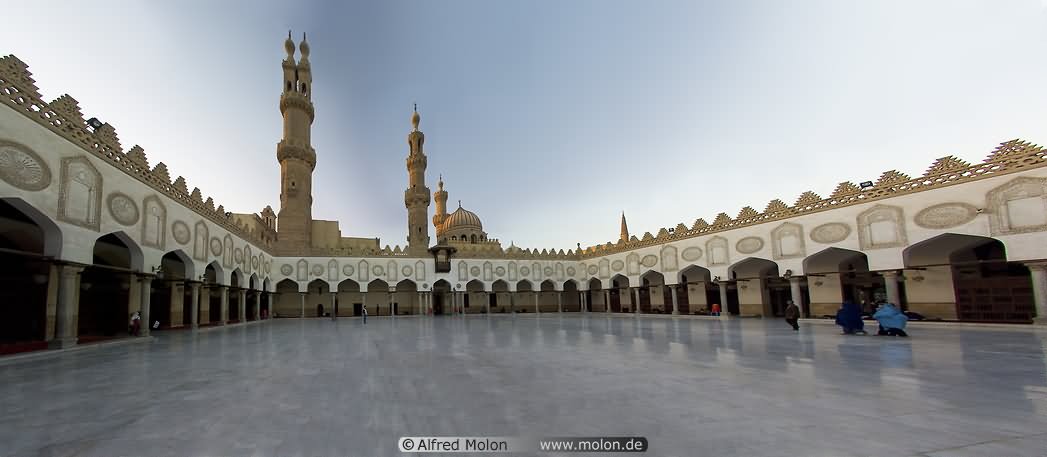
(891, 319)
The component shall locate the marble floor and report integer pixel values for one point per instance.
(693, 387)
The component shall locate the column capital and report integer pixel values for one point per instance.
(890, 273)
(1036, 265)
(795, 279)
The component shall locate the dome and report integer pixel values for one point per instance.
(462, 218)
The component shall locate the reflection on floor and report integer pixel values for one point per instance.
(693, 387)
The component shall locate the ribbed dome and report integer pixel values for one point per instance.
(462, 218)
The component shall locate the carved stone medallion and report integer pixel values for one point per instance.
(216, 246)
(571, 271)
(524, 271)
(832, 232)
(945, 215)
(749, 244)
(474, 271)
(238, 255)
(22, 168)
(548, 271)
(123, 209)
(180, 232)
(617, 265)
(317, 270)
(593, 270)
(378, 270)
(348, 270)
(500, 271)
(692, 253)
(407, 270)
(254, 262)
(286, 269)
(649, 260)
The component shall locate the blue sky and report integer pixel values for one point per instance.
(549, 118)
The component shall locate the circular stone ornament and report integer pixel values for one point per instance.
(571, 271)
(649, 261)
(318, 270)
(348, 270)
(254, 262)
(123, 209)
(286, 269)
(832, 232)
(524, 271)
(238, 255)
(749, 244)
(180, 232)
(617, 265)
(407, 270)
(474, 271)
(945, 215)
(500, 271)
(593, 269)
(22, 168)
(548, 271)
(378, 270)
(692, 253)
(216, 246)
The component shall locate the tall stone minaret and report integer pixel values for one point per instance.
(625, 229)
(441, 205)
(416, 197)
(295, 152)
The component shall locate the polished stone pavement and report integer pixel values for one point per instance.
(692, 386)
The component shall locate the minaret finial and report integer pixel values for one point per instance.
(459, 203)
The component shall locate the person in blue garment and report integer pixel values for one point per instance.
(850, 318)
(892, 320)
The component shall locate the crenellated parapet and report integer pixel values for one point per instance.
(64, 117)
(1009, 157)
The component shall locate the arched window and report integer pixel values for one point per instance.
(289, 86)
(304, 91)
(473, 238)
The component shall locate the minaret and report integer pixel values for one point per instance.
(441, 205)
(416, 197)
(295, 152)
(625, 229)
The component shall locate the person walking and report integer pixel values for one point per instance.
(892, 320)
(792, 315)
(136, 324)
(365, 314)
(850, 318)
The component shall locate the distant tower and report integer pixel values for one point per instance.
(416, 197)
(294, 152)
(441, 206)
(625, 229)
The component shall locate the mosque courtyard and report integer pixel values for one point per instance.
(743, 387)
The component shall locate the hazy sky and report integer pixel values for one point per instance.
(548, 118)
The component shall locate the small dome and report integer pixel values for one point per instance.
(304, 47)
(462, 218)
(289, 45)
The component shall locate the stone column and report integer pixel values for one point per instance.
(302, 296)
(268, 305)
(242, 296)
(175, 303)
(890, 282)
(146, 289)
(257, 311)
(724, 314)
(559, 302)
(134, 297)
(676, 306)
(205, 303)
(796, 293)
(223, 303)
(488, 307)
(334, 306)
(537, 310)
(634, 294)
(194, 303)
(1038, 274)
(607, 301)
(512, 303)
(67, 314)
(582, 301)
(363, 301)
(392, 309)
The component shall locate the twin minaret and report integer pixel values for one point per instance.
(295, 151)
(298, 160)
